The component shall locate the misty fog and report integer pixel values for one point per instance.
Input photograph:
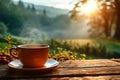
(60, 26)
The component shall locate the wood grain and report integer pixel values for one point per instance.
(98, 69)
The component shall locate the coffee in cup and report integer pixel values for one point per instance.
(32, 55)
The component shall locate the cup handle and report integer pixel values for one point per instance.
(12, 54)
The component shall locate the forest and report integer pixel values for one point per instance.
(27, 21)
(66, 32)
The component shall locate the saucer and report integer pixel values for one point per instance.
(16, 64)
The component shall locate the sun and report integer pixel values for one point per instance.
(89, 7)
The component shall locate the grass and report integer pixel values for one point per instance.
(111, 45)
(77, 48)
(93, 48)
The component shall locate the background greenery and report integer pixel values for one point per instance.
(20, 24)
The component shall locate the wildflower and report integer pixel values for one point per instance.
(83, 55)
(70, 53)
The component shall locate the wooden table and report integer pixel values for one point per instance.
(98, 69)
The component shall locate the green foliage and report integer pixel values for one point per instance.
(5, 56)
(62, 50)
(6, 46)
(10, 16)
(98, 49)
(62, 55)
(21, 19)
(56, 52)
(3, 29)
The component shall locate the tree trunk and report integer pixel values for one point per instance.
(117, 32)
(106, 21)
(106, 26)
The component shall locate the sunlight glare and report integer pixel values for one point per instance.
(89, 7)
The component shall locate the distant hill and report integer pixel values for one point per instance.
(51, 11)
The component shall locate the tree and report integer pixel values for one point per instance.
(103, 19)
(44, 19)
(29, 7)
(117, 33)
(10, 15)
(33, 8)
(21, 4)
(44, 12)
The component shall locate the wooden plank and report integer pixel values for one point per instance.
(107, 77)
(89, 63)
(89, 67)
(117, 60)
(111, 77)
(89, 71)
(70, 68)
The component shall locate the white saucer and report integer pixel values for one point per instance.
(16, 64)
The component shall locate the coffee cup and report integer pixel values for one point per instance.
(31, 55)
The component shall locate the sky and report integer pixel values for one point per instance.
(63, 4)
